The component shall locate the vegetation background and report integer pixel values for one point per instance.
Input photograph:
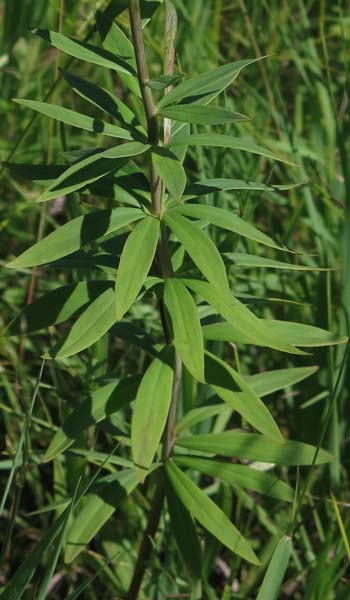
(297, 100)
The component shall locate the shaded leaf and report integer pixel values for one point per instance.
(99, 507)
(71, 117)
(185, 534)
(232, 388)
(239, 317)
(92, 324)
(210, 186)
(253, 446)
(208, 514)
(103, 99)
(75, 234)
(85, 51)
(250, 261)
(268, 382)
(104, 402)
(91, 169)
(56, 306)
(272, 582)
(241, 475)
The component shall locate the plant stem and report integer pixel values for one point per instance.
(165, 266)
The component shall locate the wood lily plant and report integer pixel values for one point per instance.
(151, 243)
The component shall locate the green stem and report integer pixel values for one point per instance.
(165, 266)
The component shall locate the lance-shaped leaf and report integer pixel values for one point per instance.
(71, 117)
(170, 170)
(188, 339)
(208, 514)
(297, 334)
(75, 234)
(151, 410)
(202, 88)
(226, 141)
(253, 446)
(101, 404)
(56, 306)
(272, 582)
(90, 169)
(201, 249)
(85, 51)
(240, 475)
(210, 186)
(135, 262)
(232, 388)
(103, 99)
(268, 382)
(92, 324)
(201, 115)
(252, 261)
(185, 534)
(239, 317)
(115, 41)
(226, 220)
(100, 506)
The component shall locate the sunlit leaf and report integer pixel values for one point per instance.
(188, 339)
(135, 262)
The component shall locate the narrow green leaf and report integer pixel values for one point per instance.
(205, 85)
(240, 318)
(252, 261)
(162, 81)
(188, 339)
(272, 583)
(270, 381)
(85, 51)
(201, 115)
(196, 415)
(226, 141)
(104, 402)
(297, 334)
(170, 170)
(253, 446)
(116, 42)
(201, 249)
(226, 220)
(92, 324)
(90, 169)
(241, 475)
(56, 306)
(75, 234)
(151, 410)
(135, 262)
(103, 99)
(232, 388)
(99, 507)
(211, 186)
(185, 534)
(71, 117)
(208, 514)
